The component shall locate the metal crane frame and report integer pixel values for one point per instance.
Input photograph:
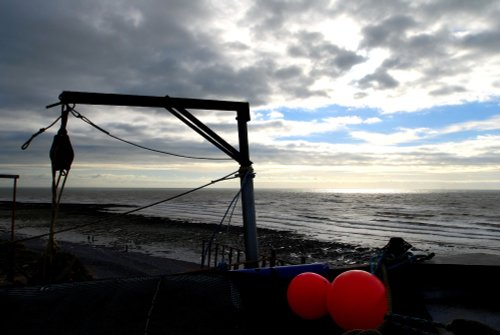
(179, 108)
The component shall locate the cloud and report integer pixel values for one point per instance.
(389, 33)
(492, 123)
(278, 129)
(325, 58)
(277, 51)
(409, 135)
(401, 136)
(380, 79)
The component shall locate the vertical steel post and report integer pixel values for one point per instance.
(247, 191)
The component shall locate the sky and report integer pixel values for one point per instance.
(384, 94)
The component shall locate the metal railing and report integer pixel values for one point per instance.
(216, 255)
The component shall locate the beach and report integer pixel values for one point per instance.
(111, 245)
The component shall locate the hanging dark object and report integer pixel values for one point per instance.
(61, 151)
(61, 156)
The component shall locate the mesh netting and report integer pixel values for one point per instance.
(235, 302)
(187, 304)
(200, 302)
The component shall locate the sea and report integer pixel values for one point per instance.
(446, 222)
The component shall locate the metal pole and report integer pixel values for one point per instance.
(247, 191)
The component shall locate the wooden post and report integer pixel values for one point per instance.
(272, 262)
(230, 259)
(216, 254)
(238, 259)
(203, 253)
(12, 258)
(13, 210)
(13, 221)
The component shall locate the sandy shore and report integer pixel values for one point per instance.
(105, 262)
(114, 245)
(111, 245)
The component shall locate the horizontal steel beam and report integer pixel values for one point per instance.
(13, 176)
(69, 97)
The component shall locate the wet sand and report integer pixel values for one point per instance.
(114, 245)
(111, 245)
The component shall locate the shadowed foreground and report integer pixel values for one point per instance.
(247, 301)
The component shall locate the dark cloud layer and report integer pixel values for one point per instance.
(159, 47)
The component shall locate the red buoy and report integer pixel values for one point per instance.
(357, 299)
(306, 294)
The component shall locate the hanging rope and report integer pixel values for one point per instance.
(61, 156)
(153, 301)
(231, 208)
(28, 142)
(76, 114)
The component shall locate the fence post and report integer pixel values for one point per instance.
(12, 249)
(272, 261)
(216, 256)
(203, 253)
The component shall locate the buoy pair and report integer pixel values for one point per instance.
(355, 299)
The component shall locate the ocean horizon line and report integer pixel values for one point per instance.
(292, 189)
